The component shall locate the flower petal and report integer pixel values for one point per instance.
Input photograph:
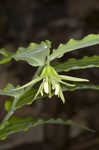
(69, 78)
(57, 88)
(46, 88)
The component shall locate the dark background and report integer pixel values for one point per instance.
(24, 21)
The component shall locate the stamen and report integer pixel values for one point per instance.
(46, 89)
(56, 89)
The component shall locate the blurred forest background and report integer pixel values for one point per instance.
(25, 21)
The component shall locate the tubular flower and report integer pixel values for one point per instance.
(51, 84)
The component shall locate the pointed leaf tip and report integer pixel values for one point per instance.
(71, 45)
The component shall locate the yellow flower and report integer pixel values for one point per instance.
(52, 81)
(46, 89)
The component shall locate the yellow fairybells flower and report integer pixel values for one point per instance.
(52, 82)
(46, 88)
(56, 89)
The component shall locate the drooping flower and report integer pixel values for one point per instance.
(51, 84)
(46, 88)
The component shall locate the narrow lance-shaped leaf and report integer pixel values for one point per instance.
(81, 87)
(74, 64)
(31, 83)
(23, 96)
(16, 124)
(25, 99)
(8, 91)
(72, 45)
(14, 103)
(17, 100)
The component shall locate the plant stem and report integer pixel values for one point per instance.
(13, 107)
(10, 113)
(37, 72)
(35, 75)
(31, 83)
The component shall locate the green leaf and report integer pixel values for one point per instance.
(7, 56)
(8, 104)
(72, 45)
(16, 124)
(27, 98)
(81, 87)
(74, 64)
(31, 83)
(8, 91)
(4, 52)
(34, 54)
